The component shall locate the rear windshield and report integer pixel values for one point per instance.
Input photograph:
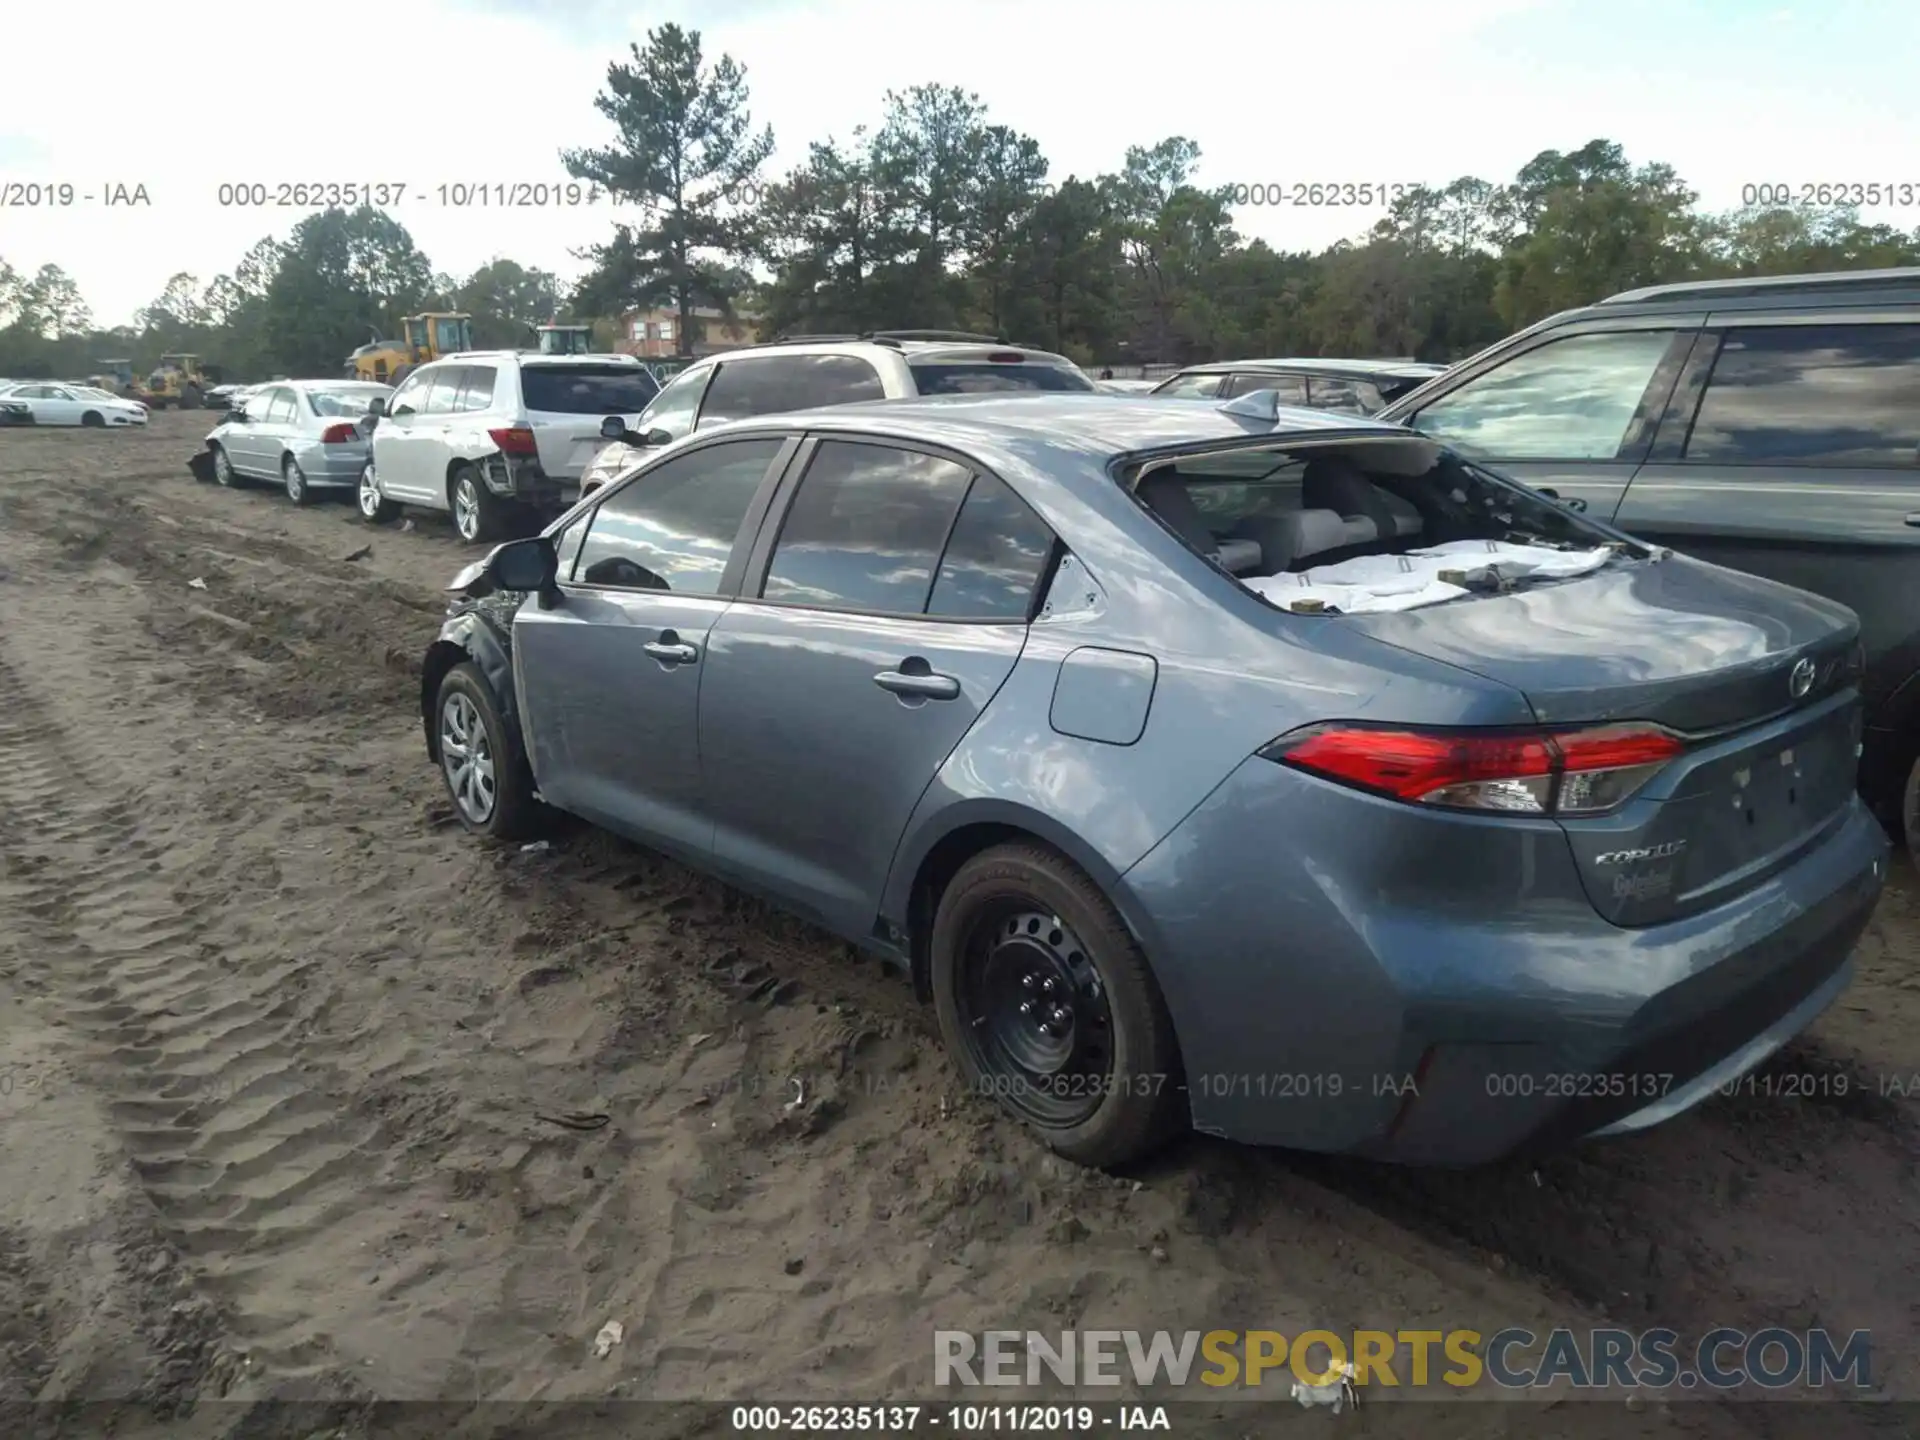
(587, 389)
(988, 378)
(347, 403)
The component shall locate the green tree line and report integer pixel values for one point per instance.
(935, 216)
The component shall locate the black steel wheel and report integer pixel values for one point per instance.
(1050, 1008)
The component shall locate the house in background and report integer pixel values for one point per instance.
(654, 334)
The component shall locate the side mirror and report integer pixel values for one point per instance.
(656, 437)
(377, 405)
(613, 428)
(526, 565)
(237, 414)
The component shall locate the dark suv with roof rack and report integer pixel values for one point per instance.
(1770, 425)
(805, 372)
(1354, 387)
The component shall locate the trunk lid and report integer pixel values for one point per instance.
(566, 401)
(1761, 679)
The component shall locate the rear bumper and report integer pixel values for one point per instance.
(525, 482)
(1437, 989)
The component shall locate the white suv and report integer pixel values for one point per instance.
(497, 439)
(809, 371)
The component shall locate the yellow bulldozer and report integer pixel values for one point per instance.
(180, 381)
(426, 337)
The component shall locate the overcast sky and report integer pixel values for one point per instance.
(425, 93)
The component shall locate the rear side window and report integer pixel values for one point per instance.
(1292, 389)
(587, 389)
(1345, 396)
(1839, 395)
(673, 527)
(1570, 399)
(866, 529)
(777, 383)
(994, 559)
(1192, 387)
(990, 378)
(476, 391)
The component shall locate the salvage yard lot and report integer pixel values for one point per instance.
(296, 1078)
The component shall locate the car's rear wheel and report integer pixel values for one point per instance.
(1050, 1008)
(223, 471)
(375, 508)
(93, 420)
(478, 514)
(295, 480)
(486, 773)
(1910, 812)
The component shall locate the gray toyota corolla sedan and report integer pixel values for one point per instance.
(1269, 771)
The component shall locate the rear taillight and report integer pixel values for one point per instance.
(339, 435)
(516, 440)
(1580, 772)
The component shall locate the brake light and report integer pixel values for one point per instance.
(515, 440)
(1006, 357)
(340, 435)
(1581, 772)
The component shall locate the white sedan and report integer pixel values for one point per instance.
(51, 403)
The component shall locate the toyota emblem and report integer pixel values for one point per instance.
(1801, 680)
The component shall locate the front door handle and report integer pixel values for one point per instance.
(1913, 520)
(924, 686)
(673, 652)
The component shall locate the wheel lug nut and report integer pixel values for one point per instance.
(1046, 987)
(1029, 980)
(1058, 1017)
(1026, 1007)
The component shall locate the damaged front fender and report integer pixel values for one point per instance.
(480, 631)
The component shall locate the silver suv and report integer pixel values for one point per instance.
(497, 439)
(809, 371)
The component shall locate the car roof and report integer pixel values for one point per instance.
(1034, 426)
(534, 357)
(1398, 369)
(922, 346)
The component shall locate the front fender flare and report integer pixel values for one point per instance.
(468, 638)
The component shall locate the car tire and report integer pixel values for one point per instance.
(479, 516)
(224, 474)
(375, 508)
(1910, 812)
(470, 734)
(1021, 935)
(93, 420)
(294, 481)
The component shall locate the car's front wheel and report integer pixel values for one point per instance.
(223, 471)
(486, 772)
(93, 420)
(1050, 1009)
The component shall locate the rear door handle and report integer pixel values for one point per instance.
(1914, 519)
(927, 687)
(673, 652)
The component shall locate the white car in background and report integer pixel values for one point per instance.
(50, 402)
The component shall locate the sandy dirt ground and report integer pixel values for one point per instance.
(287, 1061)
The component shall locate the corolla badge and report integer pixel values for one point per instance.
(1649, 852)
(1800, 681)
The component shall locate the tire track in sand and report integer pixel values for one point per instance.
(223, 1110)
